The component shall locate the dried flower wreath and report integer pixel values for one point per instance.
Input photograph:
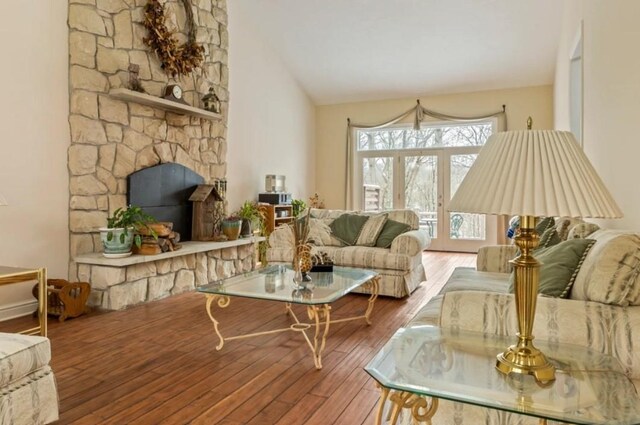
(175, 59)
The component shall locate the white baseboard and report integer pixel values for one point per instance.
(12, 311)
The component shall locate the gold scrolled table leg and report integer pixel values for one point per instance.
(383, 400)
(223, 301)
(422, 408)
(319, 313)
(374, 285)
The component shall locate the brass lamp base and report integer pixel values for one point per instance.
(526, 359)
(522, 357)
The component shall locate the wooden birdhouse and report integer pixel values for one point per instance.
(208, 208)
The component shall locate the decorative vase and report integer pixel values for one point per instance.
(231, 228)
(246, 230)
(301, 266)
(115, 242)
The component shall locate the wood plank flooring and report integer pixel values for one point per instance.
(157, 363)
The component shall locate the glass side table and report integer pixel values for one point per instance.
(422, 364)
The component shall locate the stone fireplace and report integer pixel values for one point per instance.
(112, 139)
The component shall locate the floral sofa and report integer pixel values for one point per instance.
(400, 265)
(28, 393)
(602, 311)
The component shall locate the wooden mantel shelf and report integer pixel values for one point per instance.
(191, 247)
(167, 105)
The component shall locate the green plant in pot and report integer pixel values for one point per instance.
(120, 234)
(298, 206)
(231, 227)
(252, 218)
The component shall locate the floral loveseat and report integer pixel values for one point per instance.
(400, 265)
(602, 310)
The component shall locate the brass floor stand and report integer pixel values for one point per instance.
(318, 314)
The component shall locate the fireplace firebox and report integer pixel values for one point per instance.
(163, 191)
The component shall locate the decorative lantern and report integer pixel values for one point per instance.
(211, 102)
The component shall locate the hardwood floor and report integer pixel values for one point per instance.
(157, 363)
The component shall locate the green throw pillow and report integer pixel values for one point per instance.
(347, 227)
(545, 223)
(549, 238)
(560, 266)
(390, 231)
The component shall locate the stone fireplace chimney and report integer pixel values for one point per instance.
(112, 138)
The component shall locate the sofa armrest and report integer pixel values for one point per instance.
(495, 258)
(605, 328)
(281, 237)
(411, 242)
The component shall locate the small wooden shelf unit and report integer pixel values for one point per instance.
(276, 215)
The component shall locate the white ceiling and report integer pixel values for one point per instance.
(356, 50)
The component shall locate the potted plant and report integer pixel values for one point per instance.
(252, 218)
(120, 234)
(298, 206)
(231, 227)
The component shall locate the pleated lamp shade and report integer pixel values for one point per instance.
(3, 202)
(535, 173)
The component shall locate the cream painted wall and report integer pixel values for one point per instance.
(331, 125)
(271, 119)
(611, 95)
(34, 140)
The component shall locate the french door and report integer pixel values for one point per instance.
(425, 180)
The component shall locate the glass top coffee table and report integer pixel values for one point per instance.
(422, 364)
(275, 283)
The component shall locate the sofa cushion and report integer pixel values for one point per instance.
(469, 279)
(560, 266)
(611, 272)
(320, 234)
(371, 230)
(390, 231)
(20, 355)
(371, 258)
(582, 230)
(347, 227)
(565, 224)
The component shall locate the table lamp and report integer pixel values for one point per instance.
(3, 201)
(532, 173)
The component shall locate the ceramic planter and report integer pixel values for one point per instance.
(231, 229)
(115, 242)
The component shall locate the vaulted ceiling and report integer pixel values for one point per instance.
(358, 50)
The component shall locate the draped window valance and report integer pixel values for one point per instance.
(419, 113)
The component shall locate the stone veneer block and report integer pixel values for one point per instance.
(85, 103)
(82, 159)
(104, 277)
(164, 266)
(86, 221)
(185, 281)
(87, 131)
(139, 271)
(86, 18)
(160, 286)
(86, 185)
(122, 296)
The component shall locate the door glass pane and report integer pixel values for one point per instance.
(377, 178)
(421, 190)
(464, 225)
